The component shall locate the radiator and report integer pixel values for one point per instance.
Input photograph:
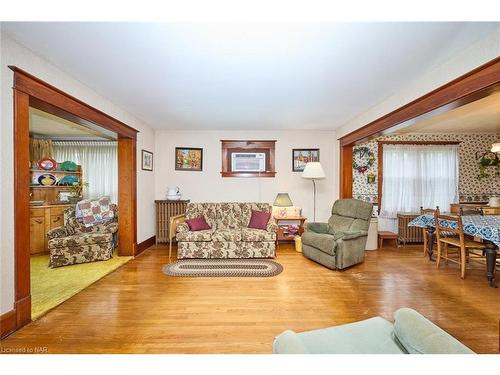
(164, 211)
(408, 234)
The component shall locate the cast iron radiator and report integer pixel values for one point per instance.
(165, 209)
(408, 234)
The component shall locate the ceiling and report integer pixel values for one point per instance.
(46, 125)
(247, 76)
(480, 116)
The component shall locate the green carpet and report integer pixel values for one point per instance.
(52, 286)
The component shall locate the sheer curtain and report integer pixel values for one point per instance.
(99, 161)
(415, 176)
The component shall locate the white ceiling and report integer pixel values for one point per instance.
(480, 116)
(246, 76)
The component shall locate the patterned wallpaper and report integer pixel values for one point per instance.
(470, 187)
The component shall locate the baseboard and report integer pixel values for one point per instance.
(145, 244)
(8, 323)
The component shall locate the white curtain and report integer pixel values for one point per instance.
(99, 161)
(415, 176)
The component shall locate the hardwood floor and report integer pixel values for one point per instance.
(138, 309)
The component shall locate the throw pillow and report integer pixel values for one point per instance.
(95, 211)
(259, 219)
(197, 223)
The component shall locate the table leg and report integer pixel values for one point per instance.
(431, 234)
(491, 256)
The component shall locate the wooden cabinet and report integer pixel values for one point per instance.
(43, 219)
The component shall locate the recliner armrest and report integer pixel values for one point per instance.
(349, 235)
(317, 228)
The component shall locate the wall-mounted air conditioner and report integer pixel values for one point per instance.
(248, 162)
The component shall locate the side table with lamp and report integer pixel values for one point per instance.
(288, 218)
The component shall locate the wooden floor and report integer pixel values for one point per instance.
(138, 309)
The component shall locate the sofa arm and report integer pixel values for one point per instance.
(58, 233)
(288, 342)
(317, 227)
(272, 227)
(182, 227)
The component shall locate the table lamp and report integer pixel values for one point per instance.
(282, 200)
(313, 171)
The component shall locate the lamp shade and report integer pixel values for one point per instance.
(313, 170)
(495, 147)
(283, 200)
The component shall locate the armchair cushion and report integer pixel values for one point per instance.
(80, 239)
(251, 235)
(322, 241)
(349, 235)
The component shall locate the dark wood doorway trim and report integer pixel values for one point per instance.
(477, 82)
(29, 90)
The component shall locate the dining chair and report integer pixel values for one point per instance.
(458, 241)
(426, 211)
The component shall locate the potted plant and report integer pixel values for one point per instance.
(76, 192)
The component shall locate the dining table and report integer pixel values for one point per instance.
(486, 227)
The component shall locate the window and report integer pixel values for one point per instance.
(99, 161)
(415, 176)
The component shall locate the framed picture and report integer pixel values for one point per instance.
(147, 160)
(188, 159)
(302, 156)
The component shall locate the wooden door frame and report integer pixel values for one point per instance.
(31, 90)
(471, 86)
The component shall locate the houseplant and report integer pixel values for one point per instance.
(76, 192)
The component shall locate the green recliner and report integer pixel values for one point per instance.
(341, 242)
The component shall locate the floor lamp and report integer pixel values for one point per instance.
(313, 171)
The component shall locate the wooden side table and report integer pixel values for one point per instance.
(282, 235)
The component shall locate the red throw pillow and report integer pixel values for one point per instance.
(259, 219)
(198, 223)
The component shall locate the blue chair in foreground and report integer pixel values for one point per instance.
(411, 333)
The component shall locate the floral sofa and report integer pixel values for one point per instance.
(229, 236)
(76, 243)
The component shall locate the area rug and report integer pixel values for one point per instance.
(223, 268)
(52, 286)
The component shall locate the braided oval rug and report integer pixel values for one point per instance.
(223, 268)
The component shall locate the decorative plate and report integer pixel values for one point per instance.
(47, 164)
(68, 180)
(47, 179)
(68, 166)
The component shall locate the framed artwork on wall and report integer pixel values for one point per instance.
(302, 156)
(188, 159)
(147, 160)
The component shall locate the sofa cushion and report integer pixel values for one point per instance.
(251, 234)
(227, 235)
(419, 335)
(324, 242)
(229, 215)
(259, 219)
(198, 236)
(197, 224)
(80, 239)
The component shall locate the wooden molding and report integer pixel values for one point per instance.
(27, 90)
(477, 83)
(265, 146)
(8, 323)
(41, 90)
(145, 245)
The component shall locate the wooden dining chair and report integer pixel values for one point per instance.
(426, 211)
(458, 241)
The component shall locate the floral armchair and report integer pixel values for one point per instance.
(76, 243)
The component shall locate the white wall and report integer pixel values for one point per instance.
(14, 54)
(209, 186)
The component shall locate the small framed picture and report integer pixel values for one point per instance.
(188, 159)
(302, 156)
(147, 160)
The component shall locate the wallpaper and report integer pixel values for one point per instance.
(470, 187)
